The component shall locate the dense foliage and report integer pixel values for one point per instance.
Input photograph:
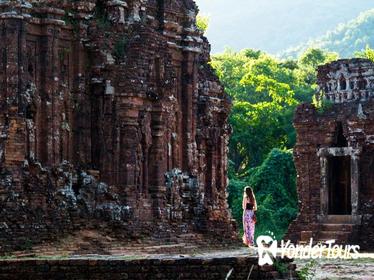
(265, 92)
(346, 39)
(274, 182)
(275, 187)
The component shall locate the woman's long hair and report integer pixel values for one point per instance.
(248, 192)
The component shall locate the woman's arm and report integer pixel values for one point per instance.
(244, 203)
(254, 204)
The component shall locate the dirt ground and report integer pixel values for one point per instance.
(328, 269)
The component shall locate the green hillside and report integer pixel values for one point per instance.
(346, 39)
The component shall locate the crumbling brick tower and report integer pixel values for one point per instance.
(334, 157)
(109, 112)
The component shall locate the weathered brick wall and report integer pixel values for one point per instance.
(317, 129)
(198, 269)
(109, 112)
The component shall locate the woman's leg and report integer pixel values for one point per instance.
(252, 233)
(245, 228)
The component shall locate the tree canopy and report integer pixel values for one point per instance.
(265, 92)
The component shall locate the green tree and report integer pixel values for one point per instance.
(367, 53)
(314, 57)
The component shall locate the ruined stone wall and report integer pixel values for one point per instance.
(347, 80)
(109, 111)
(317, 132)
(241, 268)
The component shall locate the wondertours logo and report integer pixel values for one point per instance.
(268, 249)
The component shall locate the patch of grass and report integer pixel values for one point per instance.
(8, 257)
(63, 53)
(120, 49)
(101, 16)
(362, 260)
(307, 272)
(103, 23)
(280, 267)
(131, 258)
(26, 246)
(322, 105)
(71, 20)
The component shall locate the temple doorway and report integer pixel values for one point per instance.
(339, 185)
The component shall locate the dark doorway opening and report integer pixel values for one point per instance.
(340, 140)
(340, 186)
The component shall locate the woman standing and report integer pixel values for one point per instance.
(249, 217)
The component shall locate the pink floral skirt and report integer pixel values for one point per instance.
(249, 227)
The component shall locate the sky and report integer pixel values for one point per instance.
(274, 25)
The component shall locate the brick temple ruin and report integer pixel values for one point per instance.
(334, 157)
(110, 116)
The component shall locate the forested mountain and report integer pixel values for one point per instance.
(346, 39)
(273, 25)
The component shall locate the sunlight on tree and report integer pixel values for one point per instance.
(202, 22)
(315, 57)
(367, 53)
(265, 91)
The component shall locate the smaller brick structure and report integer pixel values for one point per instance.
(334, 157)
